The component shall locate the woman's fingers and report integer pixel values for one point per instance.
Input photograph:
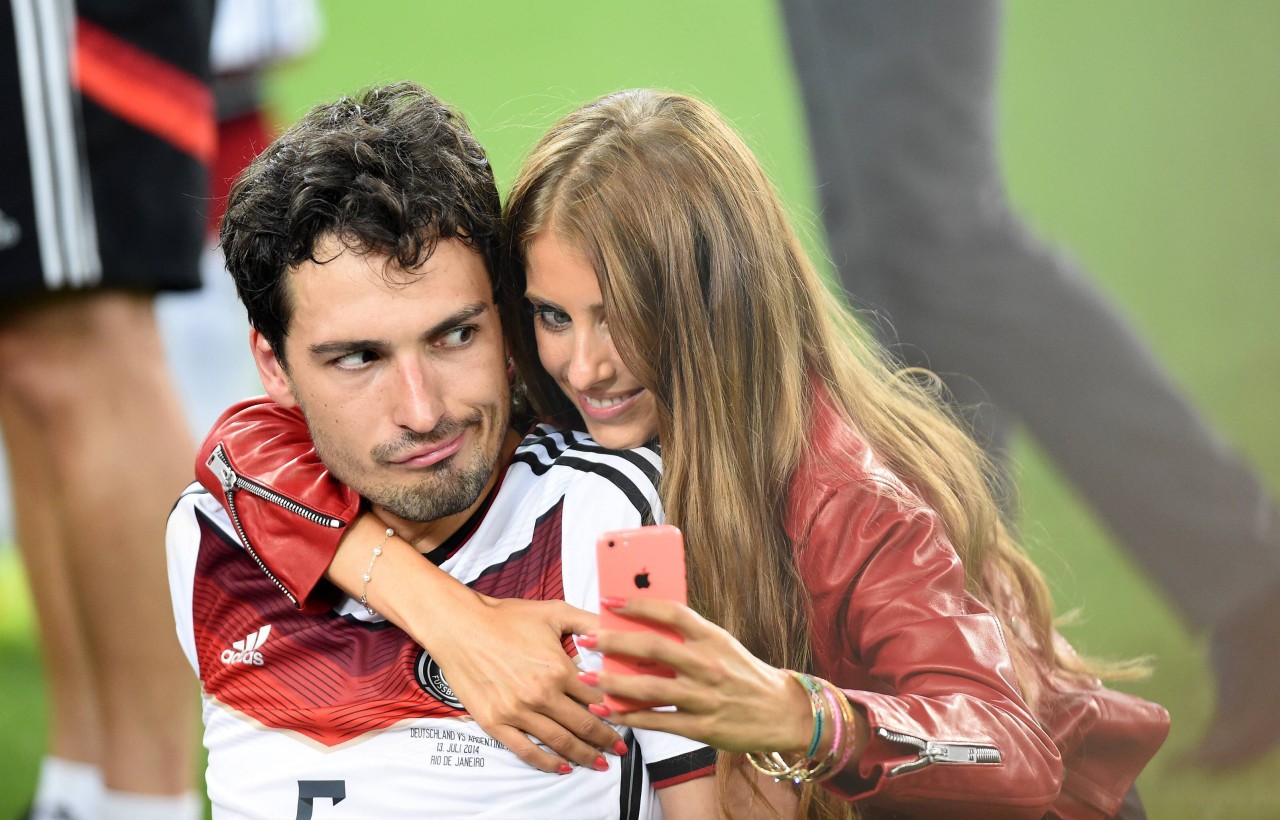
(655, 689)
(525, 749)
(571, 620)
(668, 613)
(649, 646)
(515, 679)
(563, 747)
(577, 734)
(551, 733)
(676, 723)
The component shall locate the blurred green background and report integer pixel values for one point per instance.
(1142, 138)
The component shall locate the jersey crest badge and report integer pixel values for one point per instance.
(431, 678)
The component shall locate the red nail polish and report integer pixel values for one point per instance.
(564, 768)
(589, 678)
(612, 602)
(620, 748)
(588, 640)
(601, 765)
(599, 710)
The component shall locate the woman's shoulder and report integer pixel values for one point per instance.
(838, 458)
(842, 483)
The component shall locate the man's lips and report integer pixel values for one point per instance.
(430, 454)
(606, 408)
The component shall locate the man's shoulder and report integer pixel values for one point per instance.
(571, 463)
(197, 511)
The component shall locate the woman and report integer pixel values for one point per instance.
(836, 521)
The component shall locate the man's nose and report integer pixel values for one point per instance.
(592, 361)
(417, 403)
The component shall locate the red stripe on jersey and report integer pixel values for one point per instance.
(706, 771)
(533, 573)
(324, 676)
(144, 90)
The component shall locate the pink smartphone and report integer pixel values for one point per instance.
(647, 562)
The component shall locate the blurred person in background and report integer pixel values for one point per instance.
(107, 144)
(80, 361)
(900, 100)
(204, 331)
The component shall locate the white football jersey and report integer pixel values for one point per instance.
(342, 716)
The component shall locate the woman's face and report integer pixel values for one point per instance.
(576, 349)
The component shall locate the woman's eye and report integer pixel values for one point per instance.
(353, 361)
(551, 318)
(458, 336)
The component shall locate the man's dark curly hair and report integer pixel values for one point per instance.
(390, 173)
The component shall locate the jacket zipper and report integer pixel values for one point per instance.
(231, 481)
(931, 751)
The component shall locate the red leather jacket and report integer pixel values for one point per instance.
(893, 626)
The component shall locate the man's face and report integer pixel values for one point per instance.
(401, 376)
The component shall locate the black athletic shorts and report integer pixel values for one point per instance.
(104, 144)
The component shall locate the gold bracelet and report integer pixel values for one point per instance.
(368, 572)
(807, 768)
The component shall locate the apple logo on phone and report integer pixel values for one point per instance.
(642, 580)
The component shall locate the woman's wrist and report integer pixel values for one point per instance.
(797, 716)
(401, 585)
(822, 732)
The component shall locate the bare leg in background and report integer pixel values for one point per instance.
(99, 449)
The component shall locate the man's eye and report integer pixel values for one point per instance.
(458, 336)
(353, 361)
(551, 318)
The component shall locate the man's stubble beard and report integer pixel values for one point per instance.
(440, 491)
(452, 492)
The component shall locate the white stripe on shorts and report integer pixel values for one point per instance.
(63, 203)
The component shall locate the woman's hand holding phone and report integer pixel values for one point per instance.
(658, 651)
(644, 563)
(724, 696)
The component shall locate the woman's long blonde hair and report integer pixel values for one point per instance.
(716, 309)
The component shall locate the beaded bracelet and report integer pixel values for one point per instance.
(772, 763)
(814, 770)
(816, 707)
(368, 572)
(849, 722)
(837, 724)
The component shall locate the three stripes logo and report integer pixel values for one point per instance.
(247, 651)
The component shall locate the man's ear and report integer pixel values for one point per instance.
(271, 370)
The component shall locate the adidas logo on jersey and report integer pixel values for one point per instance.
(246, 651)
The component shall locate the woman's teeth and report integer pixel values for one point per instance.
(603, 404)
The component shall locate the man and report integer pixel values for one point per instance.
(361, 242)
